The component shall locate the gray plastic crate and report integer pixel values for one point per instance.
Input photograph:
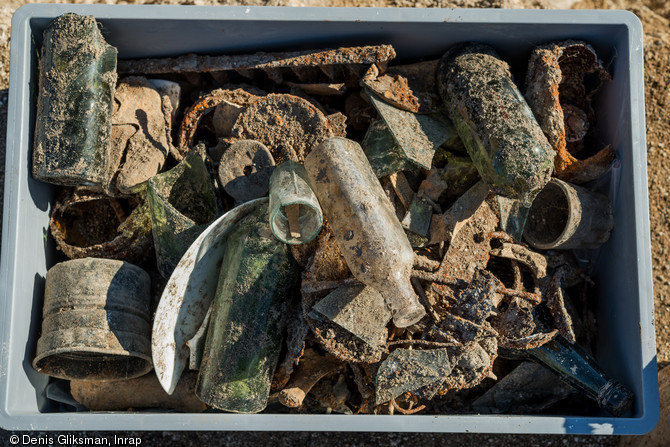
(626, 343)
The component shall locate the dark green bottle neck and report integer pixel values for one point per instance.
(577, 368)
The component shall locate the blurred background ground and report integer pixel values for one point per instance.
(654, 14)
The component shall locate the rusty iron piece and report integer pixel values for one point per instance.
(421, 81)
(473, 365)
(288, 125)
(516, 322)
(467, 251)
(425, 263)
(410, 409)
(425, 301)
(88, 224)
(518, 276)
(530, 341)
(418, 136)
(320, 89)
(408, 87)
(394, 90)
(206, 104)
(141, 140)
(532, 298)
(462, 329)
(332, 394)
(475, 301)
(312, 368)
(296, 334)
(364, 55)
(471, 206)
(555, 77)
(553, 295)
(360, 310)
(535, 261)
(364, 383)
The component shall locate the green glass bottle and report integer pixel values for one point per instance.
(494, 121)
(577, 368)
(74, 105)
(245, 329)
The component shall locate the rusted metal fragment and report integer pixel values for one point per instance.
(288, 125)
(320, 89)
(473, 365)
(296, 334)
(140, 135)
(560, 99)
(383, 153)
(536, 262)
(87, 224)
(360, 310)
(207, 103)
(471, 205)
(408, 370)
(194, 63)
(531, 341)
(467, 251)
(421, 81)
(515, 322)
(332, 394)
(395, 91)
(528, 389)
(556, 304)
(462, 329)
(418, 136)
(312, 368)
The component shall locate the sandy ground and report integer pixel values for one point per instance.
(654, 15)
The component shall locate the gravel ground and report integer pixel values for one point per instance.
(657, 77)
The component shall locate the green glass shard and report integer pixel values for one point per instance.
(384, 154)
(182, 203)
(418, 217)
(418, 135)
(513, 216)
